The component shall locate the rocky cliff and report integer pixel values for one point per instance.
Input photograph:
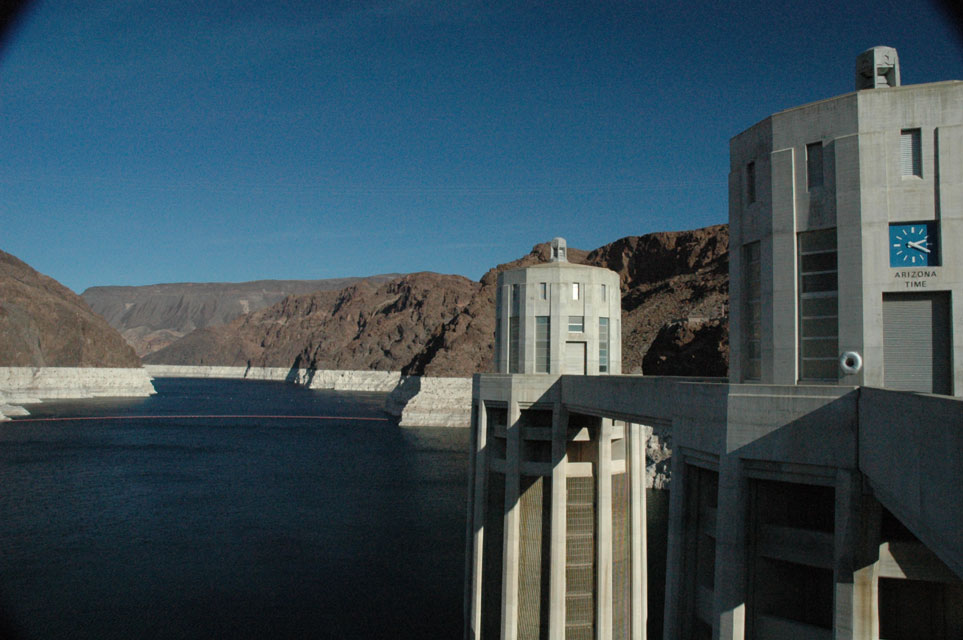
(53, 346)
(437, 325)
(154, 316)
(363, 326)
(45, 324)
(667, 278)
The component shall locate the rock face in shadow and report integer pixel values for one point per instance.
(153, 316)
(45, 324)
(666, 278)
(691, 347)
(439, 325)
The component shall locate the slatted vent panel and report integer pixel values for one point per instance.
(621, 559)
(543, 344)
(580, 559)
(534, 557)
(910, 157)
(916, 342)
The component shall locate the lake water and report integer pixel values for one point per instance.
(230, 527)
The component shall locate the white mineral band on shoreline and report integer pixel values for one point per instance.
(418, 400)
(25, 385)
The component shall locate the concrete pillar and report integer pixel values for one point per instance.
(475, 528)
(675, 547)
(780, 366)
(855, 560)
(556, 331)
(732, 554)
(556, 620)
(511, 550)
(635, 462)
(603, 537)
(860, 302)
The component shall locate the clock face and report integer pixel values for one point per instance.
(913, 245)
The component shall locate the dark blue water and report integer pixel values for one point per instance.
(230, 528)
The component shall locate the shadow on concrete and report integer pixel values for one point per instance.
(497, 506)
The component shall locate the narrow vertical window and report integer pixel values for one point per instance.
(604, 293)
(575, 291)
(818, 306)
(514, 356)
(751, 182)
(814, 165)
(752, 360)
(910, 158)
(543, 343)
(543, 290)
(603, 345)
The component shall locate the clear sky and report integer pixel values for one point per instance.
(226, 140)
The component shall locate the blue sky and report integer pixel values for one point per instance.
(221, 140)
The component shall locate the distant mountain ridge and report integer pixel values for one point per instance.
(151, 317)
(443, 325)
(363, 326)
(45, 324)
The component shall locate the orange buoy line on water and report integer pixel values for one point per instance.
(201, 417)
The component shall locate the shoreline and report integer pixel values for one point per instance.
(31, 385)
(419, 401)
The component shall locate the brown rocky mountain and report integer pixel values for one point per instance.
(363, 326)
(45, 324)
(153, 316)
(431, 324)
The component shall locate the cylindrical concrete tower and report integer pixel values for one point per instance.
(558, 318)
(556, 523)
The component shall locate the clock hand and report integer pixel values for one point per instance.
(918, 246)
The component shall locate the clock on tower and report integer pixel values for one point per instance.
(913, 245)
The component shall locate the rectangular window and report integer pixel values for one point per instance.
(603, 345)
(814, 165)
(575, 291)
(752, 360)
(604, 293)
(543, 290)
(543, 343)
(576, 323)
(751, 182)
(818, 306)
(910, 158)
